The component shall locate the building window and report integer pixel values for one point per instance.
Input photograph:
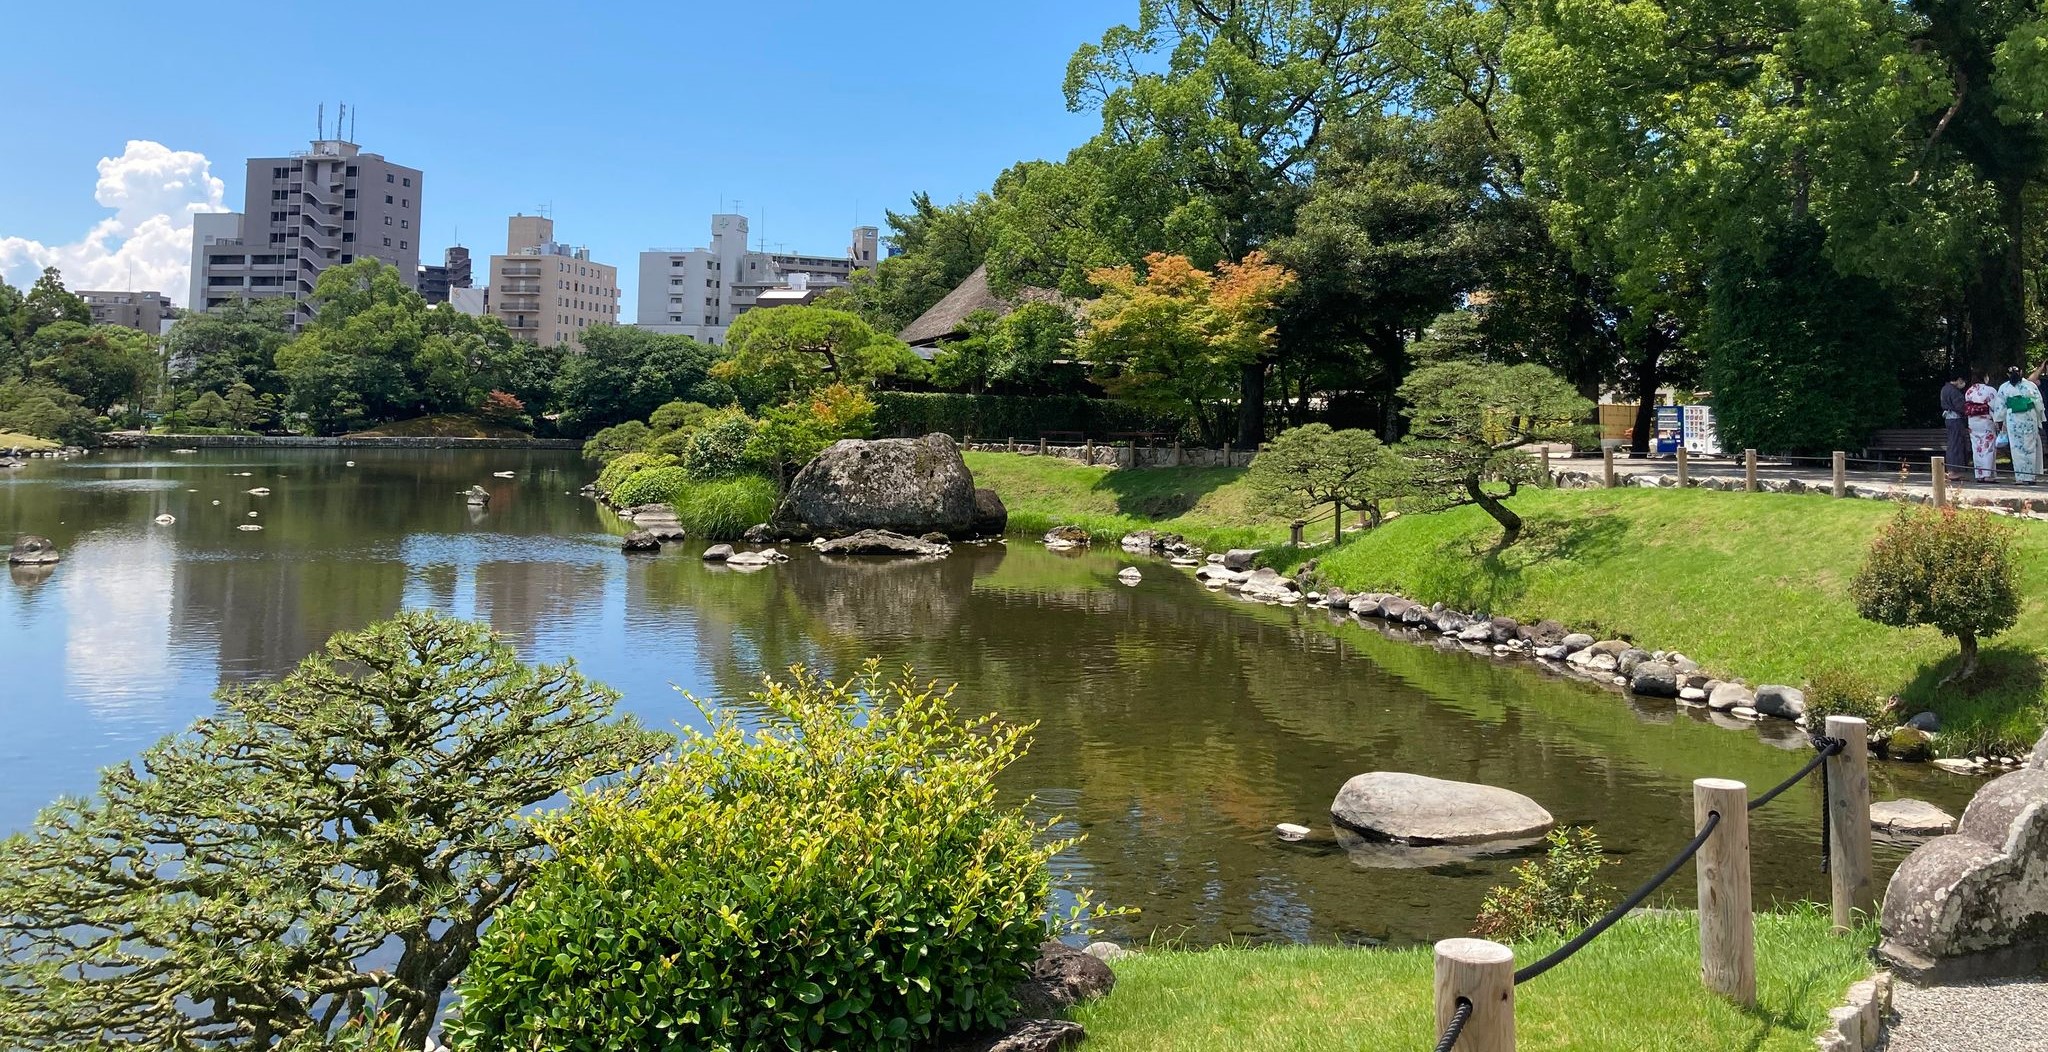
(675, 262)
(351, 171)
(389, 178)
(350, 192)
(405, 244)
(346, 258)
(277, 239)
(405, 202)
(387, 242)
(387, 220)
(408, 180)
(349, 235)
(405, 223)
(280, 173)
(387, 199)
(278, 195)
(349, 214)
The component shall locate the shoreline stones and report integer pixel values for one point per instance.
(1420, 810)
(882, 542)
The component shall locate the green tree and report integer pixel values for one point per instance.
(31, 407)
(1469, 426)
(788, 352)
(325, 844)
(235, 343)
(104, 365)
(936, 248)
(1310, 465)
(627, 373)
(1947, 568)
(24, 315)
(789, 435)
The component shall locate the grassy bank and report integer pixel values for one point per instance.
(1209, 506)
(1636, 988)
(1752, 585)
(17, 440)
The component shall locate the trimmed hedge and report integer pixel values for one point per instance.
(905, 414)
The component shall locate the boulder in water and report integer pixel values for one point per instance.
(718, 553)
(1415, 809)
(477, 496)
(31, 550)
(905, 485)
(639, 541)
(991, 518)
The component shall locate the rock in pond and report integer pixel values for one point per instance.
(991, 518)
(718, 553)
(881, 542)
(1729, 696)
(1239, 558)
(1416, 809)
(1654, 679)
(1787, 703)
(639, 541)
(166, 519)
(1066, 536)
(903, 485)
(1129, 575)
(1289, 831)
(476, 496)
(1975, 903)
(1910, 818)
(759, 533)
(1576, 641)
(31, 550)
(1266, 583)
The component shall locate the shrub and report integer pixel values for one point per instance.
(504, 410)
(722, 510)
(677, 416)
(718, 447)
(1942, 567)
(615, 441)
(623, 467)
(1840, 692)
(1557, 894)
(322, 848)
(651, 486)
(842, 877)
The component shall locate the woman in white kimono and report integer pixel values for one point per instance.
(2018, 410)
(1978, 409)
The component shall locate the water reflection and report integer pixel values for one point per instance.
(1174, 727)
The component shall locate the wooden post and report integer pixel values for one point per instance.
(1227, 462)
(1938, 467)
(1727, 928)
(1547, 477)
(1294, 532)
(1041, 445)
(1749, 471)
(1483, 973)
(1684, 469)
(1013, 444)
(1088, 452)
(1848, 774)
(966, 443)
(1176, 452)
(1841, 473)
(1607, 466)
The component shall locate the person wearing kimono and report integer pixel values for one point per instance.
(2018, 410)
(1956, 424)
(1978, 410)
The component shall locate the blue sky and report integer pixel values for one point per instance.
(631, 121)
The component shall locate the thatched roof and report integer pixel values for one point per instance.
(947, 318)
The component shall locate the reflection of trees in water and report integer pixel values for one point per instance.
(522, 599)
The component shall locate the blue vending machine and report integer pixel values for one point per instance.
(1670, 430)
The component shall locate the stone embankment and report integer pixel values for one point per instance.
(138, 440)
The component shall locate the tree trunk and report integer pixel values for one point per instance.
(1251, 408)
(1648, 378)
(1510, 523)
(1337, 523)
(1996, 297)
(1968, 668)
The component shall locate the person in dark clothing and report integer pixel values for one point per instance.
(1958, 425)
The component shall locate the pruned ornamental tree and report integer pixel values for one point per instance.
(325, 849)
(1470, 426)
(1942, 567)
(1313, 465)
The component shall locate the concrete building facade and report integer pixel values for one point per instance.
(698, 292)
(328, 205)
(150, 312)
(547, 292)
(453, 273)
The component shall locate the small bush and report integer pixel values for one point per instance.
(718, 447)
(1557, 894)
(623, 467)
(1840, 692)
(843, 877)
(722, 510)
(677, 416)
(1942, 567)
(651, 486)
(616, 441)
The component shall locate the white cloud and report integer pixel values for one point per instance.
(153, 191)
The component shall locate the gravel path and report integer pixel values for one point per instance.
(2009, 1015)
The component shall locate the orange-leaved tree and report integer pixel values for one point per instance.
(1177, 337)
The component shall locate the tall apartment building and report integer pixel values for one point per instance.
(548, 292)
(150, 312)
(698, 292)
(329, 205)
(453, 273)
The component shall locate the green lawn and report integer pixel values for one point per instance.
(1208, 506)
(1635, 989)
(17, 440)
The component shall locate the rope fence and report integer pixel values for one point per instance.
(1472, 974)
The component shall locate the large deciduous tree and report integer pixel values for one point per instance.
(323, 847)
(627, 373)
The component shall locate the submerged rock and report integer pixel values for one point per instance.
(1416, 809)
(1129, 575)
(1066, 536)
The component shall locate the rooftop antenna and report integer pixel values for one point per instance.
(351, 128)
(320, 123)
(340, 115)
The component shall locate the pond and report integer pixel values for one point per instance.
(1175, 726)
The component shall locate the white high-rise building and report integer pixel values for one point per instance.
(698, 292)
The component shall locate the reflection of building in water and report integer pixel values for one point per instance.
(520, 599)
(263, 615)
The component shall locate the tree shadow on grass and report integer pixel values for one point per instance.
(2000, 708)
(1473, 575)
(1164, 493)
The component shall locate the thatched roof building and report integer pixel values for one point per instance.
(947, 319)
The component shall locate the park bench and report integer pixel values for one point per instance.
(1917, 442)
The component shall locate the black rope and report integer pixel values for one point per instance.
(1825, 747)
(1458, 1020)
(1635, 898)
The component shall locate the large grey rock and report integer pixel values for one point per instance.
(1613, 648)
(1505, 629)
(1240, 558)
(1137, 542)
(1059, 979)
(1576, 641)
(1367, 605)
(718, 553)
(639, 541)
(1655, 679)
(1545, 633)
(1266, 583)
(1788, 703)
(1628, 660)
(1066, 536)
(758, 533)
(880, 542)
(991, 518)
(1975, 903)
(1416, 809)
(1730, 696)
(31, 550)
(1925, 721)
(904, 485)
(1910, 818)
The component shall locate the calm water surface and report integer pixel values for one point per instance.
(1176, 726)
